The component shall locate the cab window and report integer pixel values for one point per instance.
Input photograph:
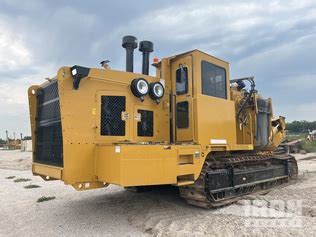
(183, 114)
(182, 80)
(213, 80)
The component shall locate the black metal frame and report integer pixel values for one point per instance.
(81, 73)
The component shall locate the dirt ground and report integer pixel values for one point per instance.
(114, 211)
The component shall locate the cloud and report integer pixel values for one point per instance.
(272, 40)
(14, 53)
(302, 111)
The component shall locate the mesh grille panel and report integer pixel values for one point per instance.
(49, 145)
(111, 115)
(49, 112)
(145, 128)
(48, 93)
(49, 149)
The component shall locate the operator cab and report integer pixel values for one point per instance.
(199, 98)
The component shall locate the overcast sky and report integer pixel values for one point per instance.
(275, 41)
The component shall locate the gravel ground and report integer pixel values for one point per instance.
(114, 211)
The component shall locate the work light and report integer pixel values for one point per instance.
(140, 87)
(74, 72)
(156, 90)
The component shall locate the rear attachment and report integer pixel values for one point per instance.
(224, 180)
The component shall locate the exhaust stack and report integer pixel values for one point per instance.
(129, 43)
(146, 47)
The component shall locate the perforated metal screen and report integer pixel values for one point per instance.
(111, 115)
(49, 145)
(145, 128)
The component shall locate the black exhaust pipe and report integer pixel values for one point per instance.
(129, 43)
(146, 47)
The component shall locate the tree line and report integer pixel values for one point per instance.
(302, 126)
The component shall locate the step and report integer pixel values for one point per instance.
(185, 183)
(185, 169)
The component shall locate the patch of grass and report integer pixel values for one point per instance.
(32, 186)
(45, 199)
(292, 137)
(309, 146)
(10, 177)
(21, 180)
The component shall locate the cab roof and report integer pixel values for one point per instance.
(188, 52)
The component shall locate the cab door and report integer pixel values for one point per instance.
(182, 84)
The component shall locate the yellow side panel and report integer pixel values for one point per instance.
(136, 165)
(153, 165)
(46, 170)
(139, 165)
(80, 117)
(215, 120)
(33, 108)
(79, 165)
(108, 163)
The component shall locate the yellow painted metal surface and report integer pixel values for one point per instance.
(81, 120)
(92, 160)
(33, 110)
(82, 186)
(47, 170)
(184, 134)
(137, 165)
(215, 122)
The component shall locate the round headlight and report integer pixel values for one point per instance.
(142, 87)
(139, 87)
(156, 90)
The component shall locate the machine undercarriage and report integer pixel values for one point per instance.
(226, 178)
